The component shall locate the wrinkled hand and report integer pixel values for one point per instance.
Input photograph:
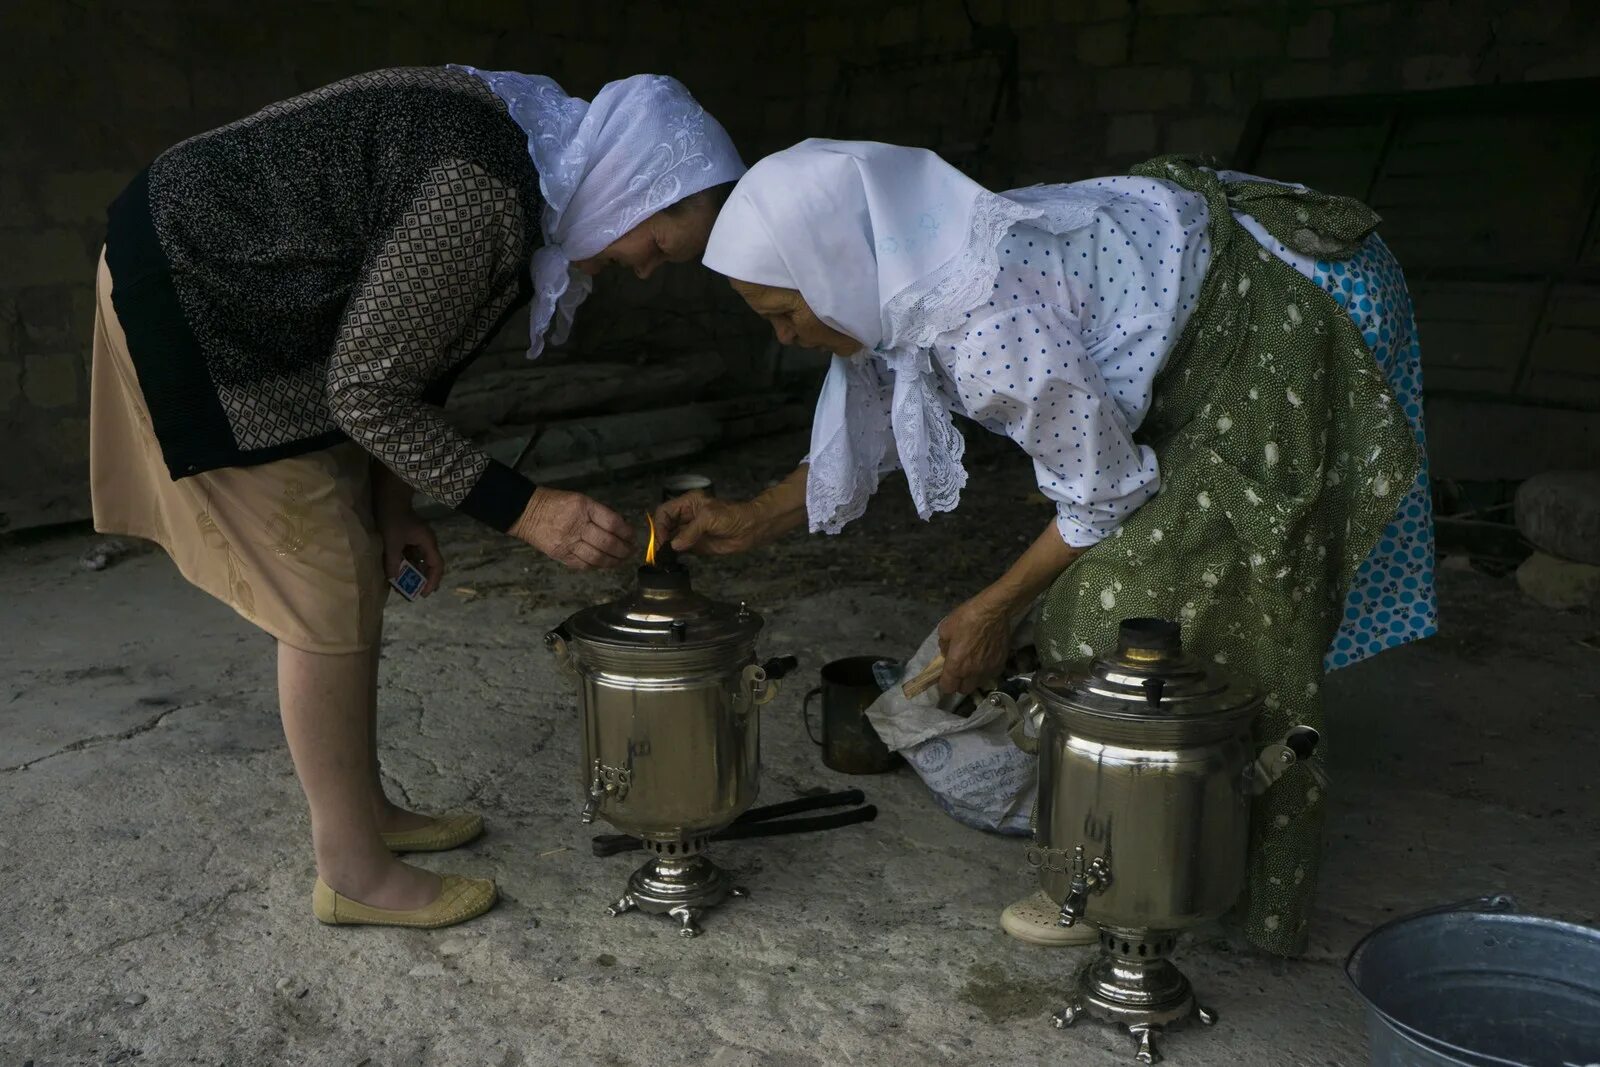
(406, 535)
(572, 529)
(707, 526)
(974, 638)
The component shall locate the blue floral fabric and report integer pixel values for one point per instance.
(1391, 599)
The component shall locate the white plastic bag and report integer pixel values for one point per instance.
(971, 766)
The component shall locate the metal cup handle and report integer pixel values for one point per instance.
(805, 714)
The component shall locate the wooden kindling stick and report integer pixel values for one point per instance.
(925, 678)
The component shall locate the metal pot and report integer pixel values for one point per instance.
(671, 694)
(1146, 772)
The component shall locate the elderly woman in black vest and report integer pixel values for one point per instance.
(283, 304)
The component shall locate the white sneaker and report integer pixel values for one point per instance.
(1034, 919)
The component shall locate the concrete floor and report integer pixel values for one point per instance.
(155, 867)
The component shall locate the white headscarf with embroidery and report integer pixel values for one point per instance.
(892, 246)
(605, 166)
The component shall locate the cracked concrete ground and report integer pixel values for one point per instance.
(155, 866)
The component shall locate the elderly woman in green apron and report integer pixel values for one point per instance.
(1215, 376)
(283, 305)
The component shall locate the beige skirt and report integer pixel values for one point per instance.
(290, 545)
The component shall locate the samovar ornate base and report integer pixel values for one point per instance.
(1146, 995)
(682, 883)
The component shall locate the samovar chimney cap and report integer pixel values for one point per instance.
(662, 579)
(1150, 635)
(663, 610)
(1149, 676)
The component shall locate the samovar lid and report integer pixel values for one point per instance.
(1149, 676)
(663, 610)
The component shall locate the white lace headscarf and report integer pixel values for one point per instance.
(892, 246)
(605, 166)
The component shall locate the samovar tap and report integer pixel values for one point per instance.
(1087, 879)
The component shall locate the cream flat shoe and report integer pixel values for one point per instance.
(1034, 919)
(441, 832)
(459, 899)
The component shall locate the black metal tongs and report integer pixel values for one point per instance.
(758, 822)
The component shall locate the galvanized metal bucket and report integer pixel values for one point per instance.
(1477, 985)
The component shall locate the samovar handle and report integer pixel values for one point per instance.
(759, 682)
(556, 642)
(1296, 746)
(1021, 711)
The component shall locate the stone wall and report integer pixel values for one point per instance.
(91, 91)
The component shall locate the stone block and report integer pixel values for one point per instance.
(1103, 44)
(232, 39)
(1559, 583)
(1220, 89)
(1486, 441)
(1311, 38)
(783, 118)
(1542, 21)
(154, 83)
(69, 441)
(1144, 88)
(1033, 14)
(18, 207)
(45, 317)
(51, 256)
(10, 328)
(148, 27)
(1230, 38)
(1453, 26)
(1357, 29)
(1297, 79)
(1560, 513)
(44, 21)
(1436, 72)
(1177, 7)
(944, 25)
(988, 12)
(1097, 10)
(1211, 135)
(79, 196)
(10, 384)
(1583, 64)
(489, 16)
(1355, 76)
(50, 380)
(898, 26)
(1131, 134)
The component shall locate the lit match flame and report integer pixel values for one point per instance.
(650, 549)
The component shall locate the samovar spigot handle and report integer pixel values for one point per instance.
(597, 793)
(1092, 877)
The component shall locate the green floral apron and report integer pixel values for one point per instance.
(1283, 455)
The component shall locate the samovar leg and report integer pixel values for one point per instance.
(1067, 1015)
(1206, 1016)
(688, 918)
(624, 904)
(738, 891)
(1146, 1035)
